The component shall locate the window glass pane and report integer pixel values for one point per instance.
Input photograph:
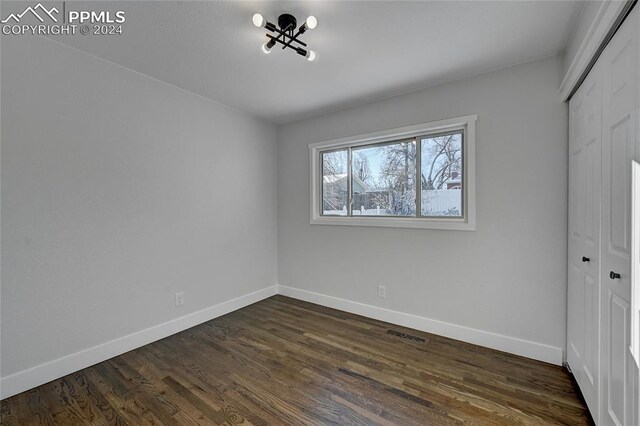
(384, 179)
(442, 175)
(334, 182)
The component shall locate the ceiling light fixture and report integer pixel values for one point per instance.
(266, 47)
(286, 34)
(258, 20)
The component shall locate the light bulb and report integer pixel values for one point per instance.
(266, 49)
(311, 22)
(311, 55)
(258, 20)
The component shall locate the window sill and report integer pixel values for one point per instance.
(392, 222)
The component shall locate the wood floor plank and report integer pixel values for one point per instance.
(284, 361)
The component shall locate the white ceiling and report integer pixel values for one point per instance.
(365, 50)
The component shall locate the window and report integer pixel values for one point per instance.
(441, 175)
(384, 179)
(335, 186)
(416, 177)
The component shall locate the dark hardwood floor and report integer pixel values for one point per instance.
(283, 361)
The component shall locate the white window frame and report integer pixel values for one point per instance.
(465, 223)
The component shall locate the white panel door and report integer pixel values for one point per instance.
(635, 370)
(635, 280)
(583, 336)
(620, 75)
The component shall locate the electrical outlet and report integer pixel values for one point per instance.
(382, 291)
(180, 299)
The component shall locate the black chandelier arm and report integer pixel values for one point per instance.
(286, 32)
(300, 50)
(269, 26)
(295, 37)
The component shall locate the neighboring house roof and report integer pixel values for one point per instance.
(341, 176)
(334, 178)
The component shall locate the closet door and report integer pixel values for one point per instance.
(584, 237)
(620, 75)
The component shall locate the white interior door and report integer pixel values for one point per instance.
(635, 281)
(620, 75)
(583, 331)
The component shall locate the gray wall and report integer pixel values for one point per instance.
(508, 277)
(117, 192)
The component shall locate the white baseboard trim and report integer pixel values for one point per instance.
(44, 373)
(538, 351)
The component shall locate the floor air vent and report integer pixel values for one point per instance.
(406, 336)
